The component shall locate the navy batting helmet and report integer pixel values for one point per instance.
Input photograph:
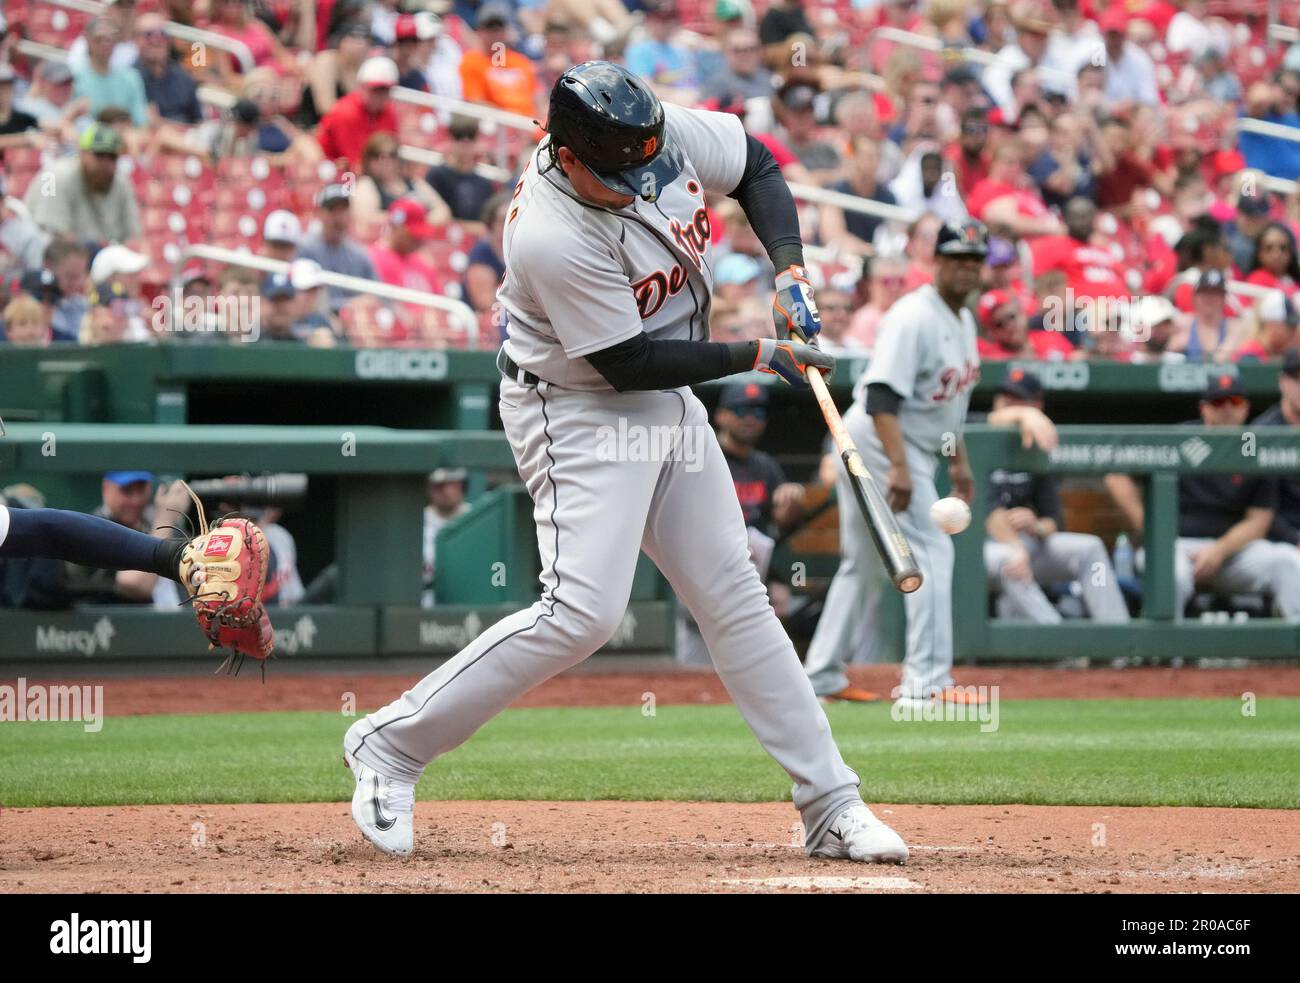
(614, 124)
(965, 238)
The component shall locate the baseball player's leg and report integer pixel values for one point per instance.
(1264, 566)
(590, 514)
(1184, 581)
(927, 668)
(1076, 556)
(1017, 598)
(696, 536)
(851, 609)
(85, 539)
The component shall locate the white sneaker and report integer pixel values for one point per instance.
(856, 834)
(383, 809)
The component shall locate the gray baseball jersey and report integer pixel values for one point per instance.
(569, 264)
(580, 278)
(926, 354)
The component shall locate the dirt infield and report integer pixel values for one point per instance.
(201, 692)
(643, 847)
(646, 846)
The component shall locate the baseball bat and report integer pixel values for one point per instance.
(889, 539)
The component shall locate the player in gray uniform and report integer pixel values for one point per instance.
(607, 285)
(909, 407)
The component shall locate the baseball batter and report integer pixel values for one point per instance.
(608, 278)
(909, 407)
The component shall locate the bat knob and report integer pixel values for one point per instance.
(909, 583)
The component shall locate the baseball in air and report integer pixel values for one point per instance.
(952, 515)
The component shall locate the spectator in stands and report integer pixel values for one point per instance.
(120, 15)
(234, 19)
(1120, 172)
(382, 182)
(115, 279)
(94, 202)
(1006, 331)
(781, 20)
(442, 64)
(1027, 50)
(1064, 169)
(736, 278)
(745, 74)
(69, 262)
(125, 499)
(101, 84)
(796, 115)
(606, 20)
(1027, 546)
(1274, 262)
(26, 322)
(359, 115)
(1156, 328)
(233, 317)
(836, 309)
(1008, 198)
(1222, 520)
(314, 320)
(17, 128)
(1286, 413)
(496, 74)
(397, 259)
(1209, 335)
(281, 234)
(409, 54)
(1243, 232)
(1090, 270)
(1272, 155)
(969, 154)
(49, 97)
(887, 279)
(854, 232)
(656, 57)
(1276, 319)
(486, 266)
(455, 180)
(332, 73)
(921, 185)
(101, 325)
(1130, 73)
(331, 248)
(1219, 83)
(282, 318)
(167, 86)
(445, 490)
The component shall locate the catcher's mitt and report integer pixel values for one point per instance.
(224, 570)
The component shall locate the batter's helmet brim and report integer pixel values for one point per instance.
(648, 180)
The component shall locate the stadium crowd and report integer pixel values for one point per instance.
(1136, 163)
(1138, 213)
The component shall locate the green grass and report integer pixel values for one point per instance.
(1093, 752)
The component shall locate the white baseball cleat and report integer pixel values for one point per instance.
(383, 809)
(856, 834)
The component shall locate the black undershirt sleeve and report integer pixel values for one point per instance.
(882, 399)
(643, 363)
(769, 206)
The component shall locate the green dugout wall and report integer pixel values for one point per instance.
(367, 425)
